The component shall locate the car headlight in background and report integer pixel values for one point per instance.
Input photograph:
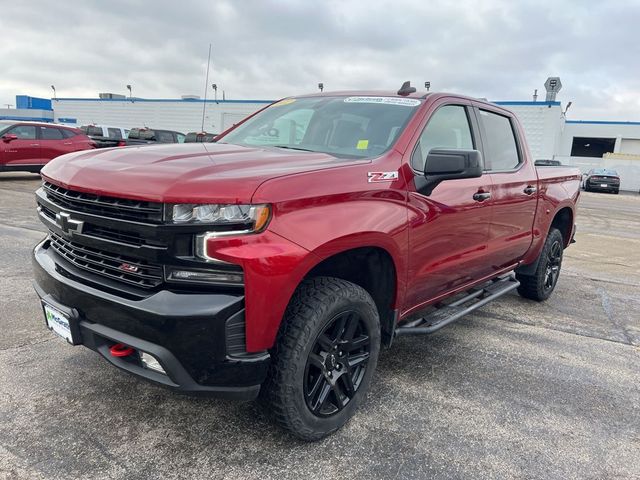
(248, 218)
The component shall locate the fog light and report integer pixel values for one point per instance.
(151, 362)
(217, 277)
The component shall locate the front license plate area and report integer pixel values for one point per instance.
(58, 323)
(603, 185)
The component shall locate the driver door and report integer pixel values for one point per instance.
(24, 150)
(449, 227)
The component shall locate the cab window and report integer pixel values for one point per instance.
(448, 128)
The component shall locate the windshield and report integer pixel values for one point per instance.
(604, 171)
(350, 127)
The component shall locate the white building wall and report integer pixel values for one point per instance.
(180, 115)
(542, 123)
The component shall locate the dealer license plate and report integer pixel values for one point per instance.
(603, 185)
(58, 322)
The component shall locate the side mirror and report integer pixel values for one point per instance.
(9, 136)
(442, 164)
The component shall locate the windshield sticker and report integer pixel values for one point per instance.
(376, 177)
(286, 101)
(362, 144)
(406, 102)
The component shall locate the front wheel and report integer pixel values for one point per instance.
(324, 357)
(540, 285)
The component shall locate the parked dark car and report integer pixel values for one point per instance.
(28, 146)
(547, 163)
(141, 136)
(602, 179)
(199, 137)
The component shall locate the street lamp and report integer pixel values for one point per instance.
(215, 91)
(130, 92)
(54, 92)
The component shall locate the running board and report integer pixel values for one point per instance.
(451, 312)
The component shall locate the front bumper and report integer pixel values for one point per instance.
(193, 335)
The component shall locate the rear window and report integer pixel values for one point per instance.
(164, 137)
(141, 133)
(604, 171)
(115, 133)
(93, 131)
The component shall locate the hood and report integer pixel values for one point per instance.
(190, 172)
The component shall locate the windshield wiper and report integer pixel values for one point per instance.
(289, 147)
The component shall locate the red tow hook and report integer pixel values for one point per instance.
(121, 350)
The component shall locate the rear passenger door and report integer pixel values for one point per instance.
(514, 196)
(53, 143)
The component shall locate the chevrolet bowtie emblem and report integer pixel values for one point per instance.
(68, 224)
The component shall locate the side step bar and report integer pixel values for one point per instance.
(451, 312)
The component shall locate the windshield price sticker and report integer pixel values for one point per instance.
(406, 102)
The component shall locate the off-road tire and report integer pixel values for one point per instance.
(313, 308)
(536, 286)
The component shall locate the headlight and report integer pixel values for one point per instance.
(247, 218)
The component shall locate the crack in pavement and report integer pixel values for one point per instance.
(504, 318)
(608, 310)
(27, 344)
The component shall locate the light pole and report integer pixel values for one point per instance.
(215, 91)
(321, 87)
(54, 93)
(130, 92)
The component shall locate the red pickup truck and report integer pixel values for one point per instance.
(281, 258)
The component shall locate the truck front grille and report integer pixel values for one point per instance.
(110, 207)
(117, 267)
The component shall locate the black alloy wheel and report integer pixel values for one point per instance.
(540, 284)
(324, 357)
(554, 260)
(336, 364)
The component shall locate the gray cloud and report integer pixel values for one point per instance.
(497, 49)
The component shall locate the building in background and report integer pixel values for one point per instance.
(183, 114)
(585, 144)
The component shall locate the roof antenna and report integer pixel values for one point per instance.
(406, 89)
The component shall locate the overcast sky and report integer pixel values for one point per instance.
(501, 50)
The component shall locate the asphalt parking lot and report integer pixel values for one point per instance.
(516, 390)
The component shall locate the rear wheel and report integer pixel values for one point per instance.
(324, 358)
(542, 282)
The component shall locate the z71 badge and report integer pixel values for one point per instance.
(375, 177)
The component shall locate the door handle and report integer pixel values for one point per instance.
(34, 145)
(481, 196)
(68, 143)
(530, 190)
